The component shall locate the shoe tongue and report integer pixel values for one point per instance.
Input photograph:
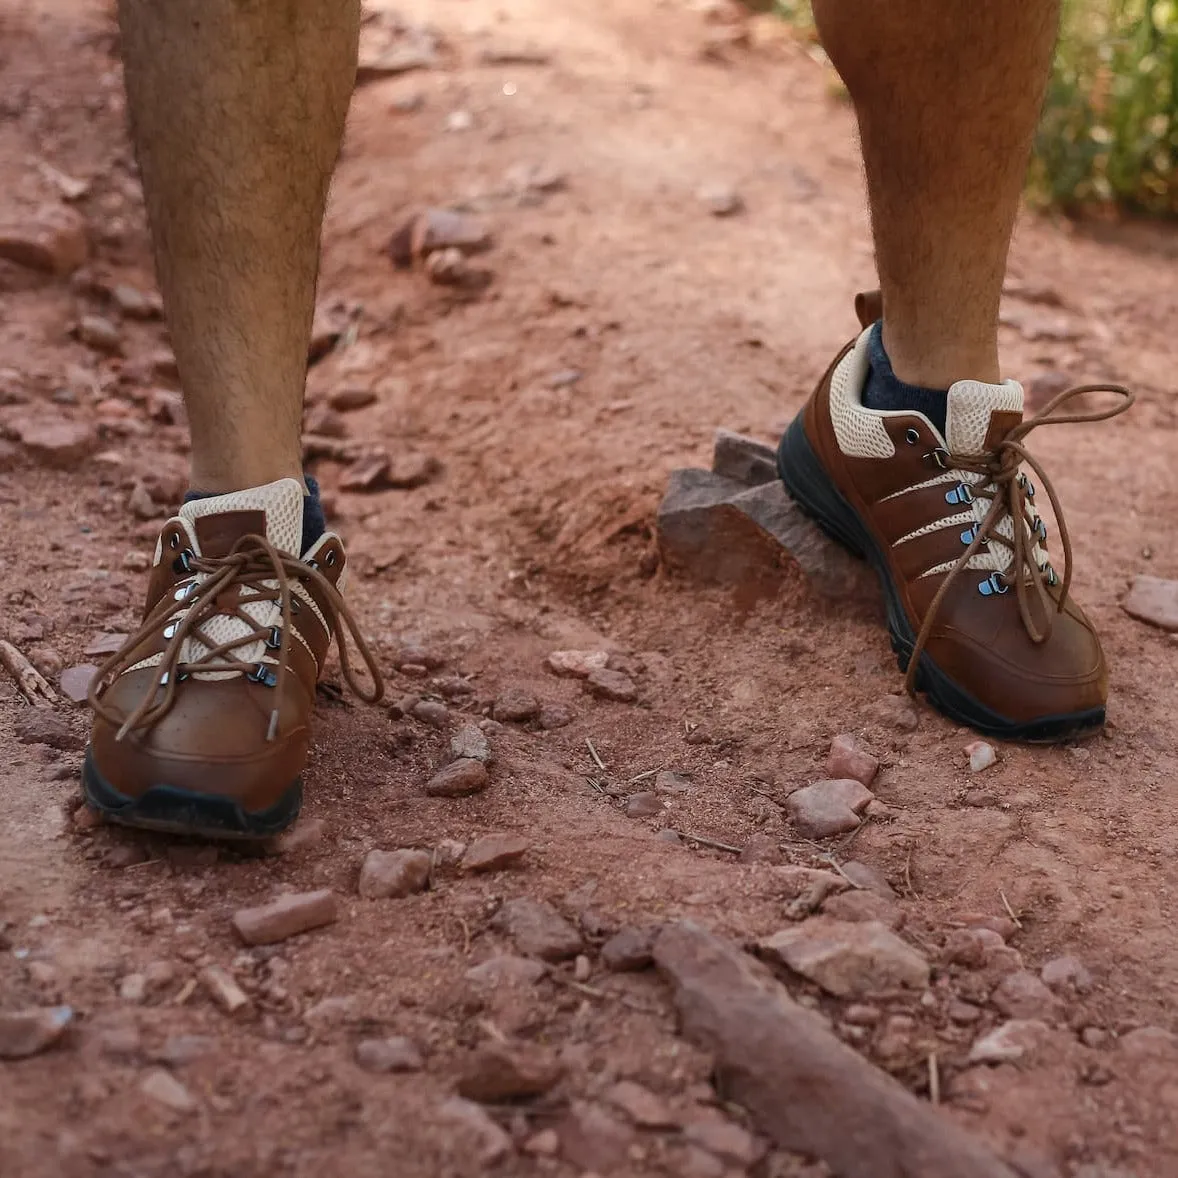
(274, 511)
(978, 416)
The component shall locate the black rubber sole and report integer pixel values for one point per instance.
(179, 811)
(810, 486)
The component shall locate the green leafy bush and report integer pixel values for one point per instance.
(1109, 131)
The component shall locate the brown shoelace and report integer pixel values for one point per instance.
(1009, 493)
(252, 562)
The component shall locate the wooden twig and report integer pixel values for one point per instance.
(644, 776)
(29, 681)
(1009, 911)
(706, 842)
(593, 753)
(766, 794)
(934, 1079)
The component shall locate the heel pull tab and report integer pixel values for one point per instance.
(869, 307)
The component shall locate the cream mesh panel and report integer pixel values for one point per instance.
(952, 521)
(281, 501)
(969, 407)
(860, 432)
(952, 477)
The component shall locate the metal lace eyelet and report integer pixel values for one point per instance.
(174, 541)
(911, 436)
(995, 583)
(1041, 531)
(263, 674)
(970, 534)
(296, 606)
(1027, 486)
(960, 494)
(182, 563)
(170, 630)
(939, 456)
(1052, 577)
(330, 557)
(184, 591)
(274, 641)
(312, 564)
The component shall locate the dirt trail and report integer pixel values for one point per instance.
(536, 536)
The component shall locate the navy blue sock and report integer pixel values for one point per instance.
(314, 521)
(885, 390)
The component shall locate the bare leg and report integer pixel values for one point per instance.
(947, 96)
(237, 109)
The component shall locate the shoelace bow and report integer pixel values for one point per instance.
(1008, 492)
(252, 561)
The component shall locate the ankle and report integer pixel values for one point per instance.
(937, 363)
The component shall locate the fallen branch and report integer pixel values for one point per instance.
(806, 1089)
(29, 681)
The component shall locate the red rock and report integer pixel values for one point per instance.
(57, 442)
(514, 705)
(494, 851)
(827, 807)
(366, 474)
(576, 664)
(538, 930)
(285, 917)
(325, 422)
(1153, 600)
(436, 229)
(52, 241)
(101, 334)
(351, 397)
(628, 950)
(848, 761)
(135, 303)
(394, 874)
(499, 1072)
(612, 685)
(409, 469)
(641, 1106)
(458, 780)
(166, 406)
(644, 805)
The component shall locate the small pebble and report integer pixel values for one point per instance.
(458, 780)
(285, 917)
(612, 685)
(470, 743)
(515, 706)
(494, 851)
(981, 755)
(396, 1054)
(161, 1086)
(643, 805)
(394, 874)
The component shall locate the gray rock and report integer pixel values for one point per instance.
(538, 930)
(576, 664)
(896, 711)
(1153, 600)
(28, 1032)
(827, 807)
(459, 779)
(430, 712)
(863, 875)
(720, 531)
(394, 874)
(1012, 1041)
(862, 905)
(515, 705)
(672, 784)
(396, 1054)
(849, 959)
(470, 743)
(507, 970)
(746, 460)
(286, 916)
(554, 716)
(628, 950)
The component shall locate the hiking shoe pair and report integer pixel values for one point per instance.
(202, 720)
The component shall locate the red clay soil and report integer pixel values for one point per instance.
(623, 324)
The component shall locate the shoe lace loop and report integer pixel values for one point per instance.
(250, 564)
(1001, 482)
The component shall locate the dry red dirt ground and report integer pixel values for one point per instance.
(536, 535)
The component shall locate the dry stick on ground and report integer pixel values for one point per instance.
(593, 753)
(29, 681)
(706, 842)
(804, 1087)
(1009, 911)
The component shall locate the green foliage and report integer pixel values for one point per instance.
(1109, 131)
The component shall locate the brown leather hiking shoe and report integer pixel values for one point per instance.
(202, 719)
(979, 618)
